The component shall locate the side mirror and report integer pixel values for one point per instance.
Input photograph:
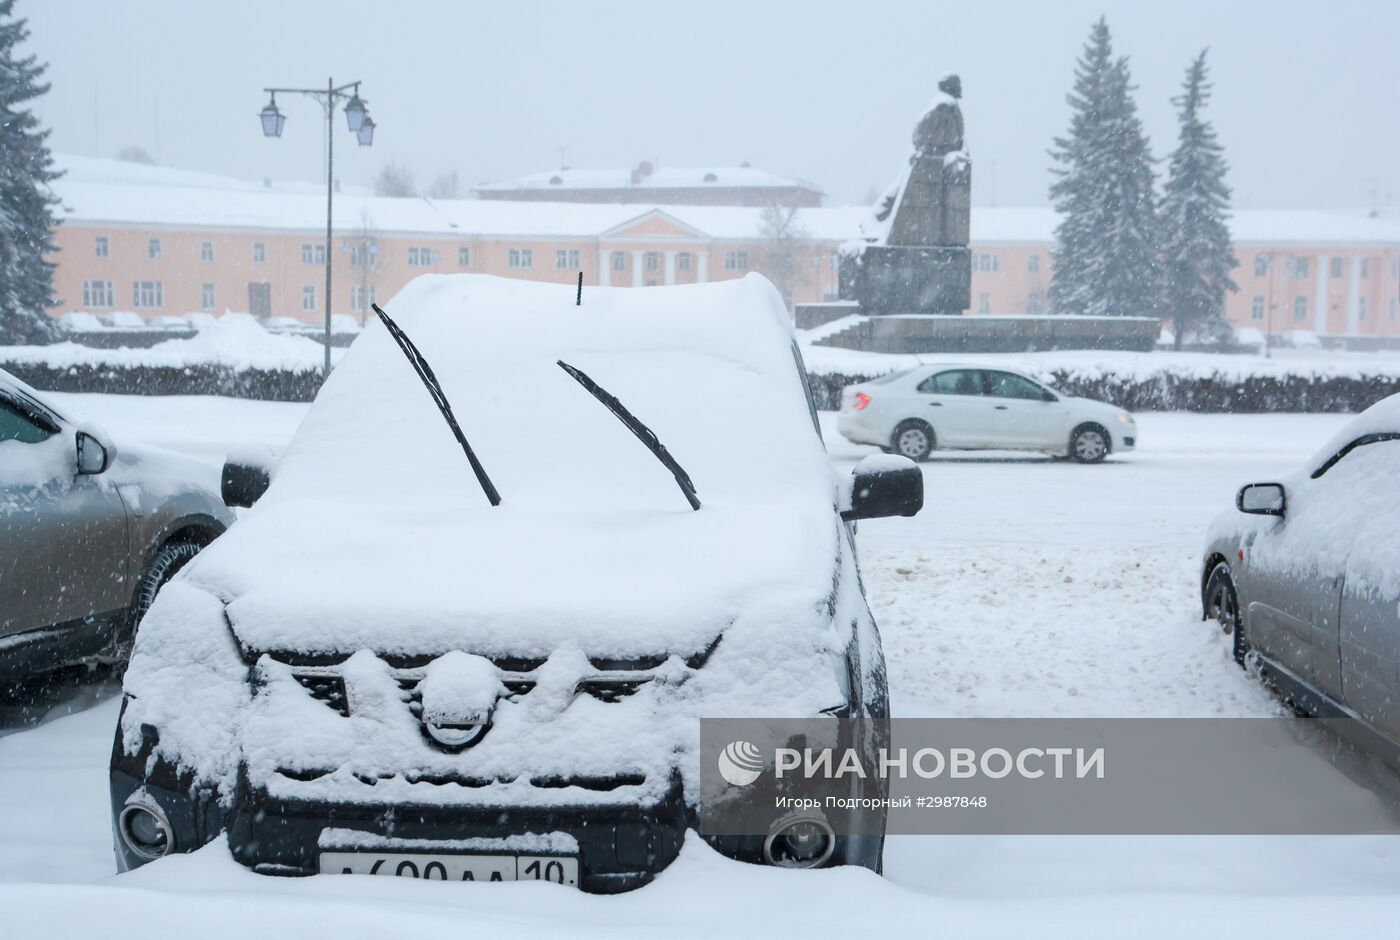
(1049, 396)
(246, 477)
(1262, 499)
(93, 456)
(883, 485)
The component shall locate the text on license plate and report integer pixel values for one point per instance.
(559, 869)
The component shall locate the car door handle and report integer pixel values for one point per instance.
(1001, 407)
(935, 404)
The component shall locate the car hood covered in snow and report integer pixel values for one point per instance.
(375, 534)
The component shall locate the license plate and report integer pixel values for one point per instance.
(560, 869)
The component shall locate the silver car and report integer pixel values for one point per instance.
(88, 534)
(1305, 577)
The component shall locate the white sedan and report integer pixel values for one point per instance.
(965, 407)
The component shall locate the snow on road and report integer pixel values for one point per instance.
(1026, 587)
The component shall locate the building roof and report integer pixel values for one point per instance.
(668, 177)
(110, 192)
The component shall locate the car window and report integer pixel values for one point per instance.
(1009, 385)
(1378, 438)
(953, 382)
(15, 425)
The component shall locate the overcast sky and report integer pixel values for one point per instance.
(1306, 100)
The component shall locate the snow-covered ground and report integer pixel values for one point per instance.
(1026, 587)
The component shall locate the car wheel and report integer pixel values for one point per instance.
(1089, 444)
(1222, 605)
(170, 559)
(913, 439)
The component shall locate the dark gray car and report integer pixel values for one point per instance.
(88, 534)
(1305, 577)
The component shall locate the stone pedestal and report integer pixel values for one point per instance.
(903, 279)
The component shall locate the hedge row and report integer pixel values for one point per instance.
(1159, 392)
(262, 384)
(1173, 392)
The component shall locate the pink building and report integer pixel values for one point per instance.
(161, 241)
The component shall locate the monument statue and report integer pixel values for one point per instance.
(921, 264)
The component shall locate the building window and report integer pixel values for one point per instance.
(566, 258)
(206, 297)
(984, 303)
(361, 296)
(1300, 268)
(619, 261)
(521, 258)
(147, 295)
(206, 251)
(259, 253)
(420, 257)
(736, 261)
(1034, 302)
(652, 260)
(1261, 265)
(313, 254)
(308, 298)
(1336, 267)
(98, 294)
(101, 246)
(1256, 309)
(153, 249)
(1033, 264)
(1300, 309)
(364, 252)
(1365, 267)
(986, 262)
(464, 257)
(1361, 310)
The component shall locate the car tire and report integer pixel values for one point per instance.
(1089, 443)
(171, 557)
(1221, 603)
(913, 439)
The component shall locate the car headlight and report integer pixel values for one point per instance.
(1124, 417)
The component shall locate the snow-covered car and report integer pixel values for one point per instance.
(88, 534)
(482, 653)
(972, 407)
(1304, 575)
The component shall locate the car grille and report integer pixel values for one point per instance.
(327, 689)
(616, 680)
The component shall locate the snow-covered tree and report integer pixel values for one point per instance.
(26, 202)
(394, 180)
(1196, 242)
(445, 186)
(1106, 251)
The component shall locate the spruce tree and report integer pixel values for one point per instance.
(26, 202)
(1196, 242)
(1106, 243)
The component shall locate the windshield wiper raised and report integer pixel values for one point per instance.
(644, 433)
(425, 372)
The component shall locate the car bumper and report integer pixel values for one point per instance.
(619, 848)
(855, 430)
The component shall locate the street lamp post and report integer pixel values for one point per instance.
(359, 122)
